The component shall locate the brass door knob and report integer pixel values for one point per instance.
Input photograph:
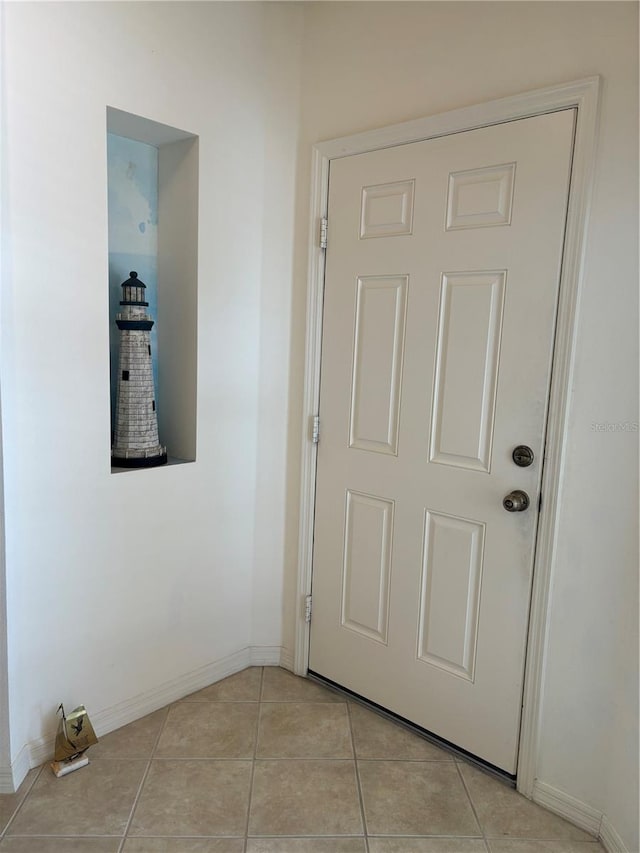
(516, 501)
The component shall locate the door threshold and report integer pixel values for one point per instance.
(507, 778)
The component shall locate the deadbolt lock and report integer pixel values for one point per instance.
(522, 456)
(516, 501)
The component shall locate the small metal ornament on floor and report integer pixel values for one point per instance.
(75, 735)
(136, 443)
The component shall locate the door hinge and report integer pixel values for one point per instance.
(307, 608)
(315, 433)
(324, 227)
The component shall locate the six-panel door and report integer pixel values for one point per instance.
(441, 289)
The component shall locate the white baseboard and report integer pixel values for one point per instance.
(580, 814)
(40, 750)
(611, 840)
(286, 659)
(12, 776)
(266, 655)
(568, 807)
(6, 779)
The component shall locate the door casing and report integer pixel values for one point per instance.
(584, 96)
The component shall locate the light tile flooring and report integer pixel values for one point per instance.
(264, 762)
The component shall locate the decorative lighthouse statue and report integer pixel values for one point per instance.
(136, 443)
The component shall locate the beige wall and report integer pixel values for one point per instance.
(370, 64)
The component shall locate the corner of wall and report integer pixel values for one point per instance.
(13, 774)
(570, 808)
(286, 659)
(7, 776)
(6, 772)
(580, 814)
(40, 750)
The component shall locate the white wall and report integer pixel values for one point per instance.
(119, 584)
(370, 64)
(282, 92)
(6, 780)
(99, 612)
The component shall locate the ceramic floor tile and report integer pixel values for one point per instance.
(96, 800)
(415, 798)
(184, 845)
(10, 802)
(376, 737)
(279, 685)
(242, 687)
(55, 844)
(305, 797)
(193, 798)
(209, 730)
(304, 730)
(133, 741)
(514, 845)
(426, 845)
(306, 845)
(502, 811)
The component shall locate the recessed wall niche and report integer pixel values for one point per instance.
(152, 181)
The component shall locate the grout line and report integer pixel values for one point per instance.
(253, 765)
(217, 702)
(446, 761)
(430, 836)
(358, 783)
(143, 780)
(471, 803)
(160, 733)
(3, 834)
(66, 835)
(299, 701)
(546, 839)
(273, 758)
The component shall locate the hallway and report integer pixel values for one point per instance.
(265, 762)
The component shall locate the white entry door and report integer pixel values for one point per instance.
(441, 288)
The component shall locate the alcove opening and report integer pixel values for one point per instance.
(152, 179)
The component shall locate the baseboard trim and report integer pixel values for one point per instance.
(40, 750)
(286, 659)
(12, 776)
(266, 655)
(611, 840)
(568, 807)
(6, 780)
(580, 814)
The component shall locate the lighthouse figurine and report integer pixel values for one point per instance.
(136, 443)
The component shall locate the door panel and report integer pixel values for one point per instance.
(377, 363)
(449, 602)
(441, 284)
(367, 565)
(466, 371)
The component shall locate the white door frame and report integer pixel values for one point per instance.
(584, 95)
